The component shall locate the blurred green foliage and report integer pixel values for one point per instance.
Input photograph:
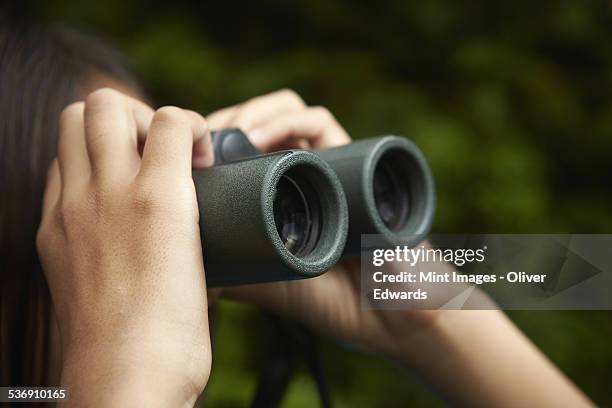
(510, 101)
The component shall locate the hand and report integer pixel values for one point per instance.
(280, 121)
(330, 303)
(120, 246)
(456, 351)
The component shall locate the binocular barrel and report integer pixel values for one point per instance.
(271, 217)
(389, 188)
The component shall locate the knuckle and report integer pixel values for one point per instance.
(145, 199)
(198, 123)
(323, 113)
(103, 95)
(86, 205)
(196, 117)
(169, 114)
(103, 200)
(142, 193)
(246, 106)
(70, 113)
(291, 96)
(154, 197)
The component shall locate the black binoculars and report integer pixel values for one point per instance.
(294, 214)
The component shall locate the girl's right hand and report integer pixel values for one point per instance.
(120, 246)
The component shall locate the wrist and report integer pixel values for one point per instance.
(126, 387)
(451, 336)
(416, 340)
(115, 378)
(444, 330)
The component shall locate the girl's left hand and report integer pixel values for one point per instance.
(281, 120)
(329, 303)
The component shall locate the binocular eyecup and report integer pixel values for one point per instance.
(271, 217)
(389, 189)
(293, 214)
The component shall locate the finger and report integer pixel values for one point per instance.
(260, 109)
(287, 297)
(170, 140)
(113, 124)
(291, 143)
(53, 187)
(72, 150)
(316, 125)
(220, 119)
(203, 153)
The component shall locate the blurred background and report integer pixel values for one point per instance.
(510, 101)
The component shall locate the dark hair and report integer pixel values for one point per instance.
(42, 69)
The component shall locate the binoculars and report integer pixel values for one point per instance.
(293, 214)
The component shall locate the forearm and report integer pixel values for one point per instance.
(479, 358)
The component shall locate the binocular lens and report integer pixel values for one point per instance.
(297, 214)
(391, 195)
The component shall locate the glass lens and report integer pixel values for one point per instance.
(391, 196)
(294, 217)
